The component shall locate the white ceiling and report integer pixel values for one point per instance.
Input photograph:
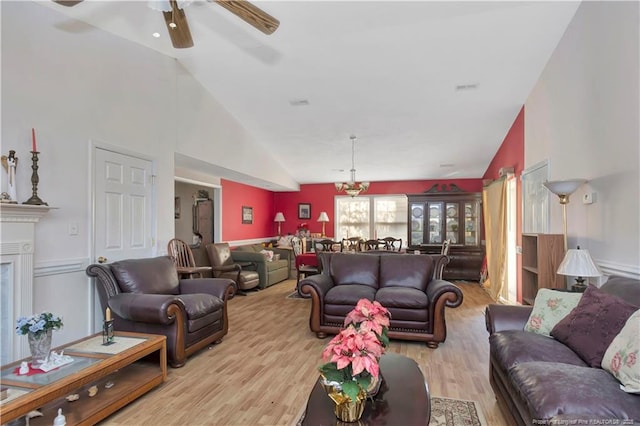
(385, 71)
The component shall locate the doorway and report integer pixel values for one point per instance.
(122, 217)
(197, 210)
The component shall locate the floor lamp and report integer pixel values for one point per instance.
(564, 188)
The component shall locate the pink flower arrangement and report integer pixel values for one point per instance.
(351, 358)
(371, 316)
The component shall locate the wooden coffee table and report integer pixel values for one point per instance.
(94, 364)
(403, 398)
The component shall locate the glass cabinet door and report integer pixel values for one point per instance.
(452, 222)
(471, 237)
(417, 223)
(436, 223)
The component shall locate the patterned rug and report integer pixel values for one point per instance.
(455, 412)
(445, 412)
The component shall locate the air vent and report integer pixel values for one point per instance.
(471, 86)
(299, 102)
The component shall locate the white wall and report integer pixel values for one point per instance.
(79, 88)
(583, 116)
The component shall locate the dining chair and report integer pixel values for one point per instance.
(392, 244)
(351, 244)
(303, 269)
(325, 245)
(182, 257)
(372, 245)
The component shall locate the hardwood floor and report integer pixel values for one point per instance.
(264, 369)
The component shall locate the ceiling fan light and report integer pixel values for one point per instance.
(173, 25)
(338, 186)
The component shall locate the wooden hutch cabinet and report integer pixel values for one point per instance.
(448, 214)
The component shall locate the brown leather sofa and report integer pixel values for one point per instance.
(146, 296)
(403, 283)
(539, 380)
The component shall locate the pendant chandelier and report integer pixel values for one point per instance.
(352, 187)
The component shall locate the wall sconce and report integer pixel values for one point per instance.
(279, 218)
(578, 263)
(324, 218)
(564, 188)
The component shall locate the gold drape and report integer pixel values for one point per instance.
(494, 207)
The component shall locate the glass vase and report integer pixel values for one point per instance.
(40, 346)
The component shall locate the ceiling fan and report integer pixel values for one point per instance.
(178, 26)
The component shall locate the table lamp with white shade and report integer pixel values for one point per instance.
(279, 218)
(578, 263)
(324, 218)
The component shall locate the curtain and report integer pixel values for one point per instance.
(494, 205)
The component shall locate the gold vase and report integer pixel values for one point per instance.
(345, 409)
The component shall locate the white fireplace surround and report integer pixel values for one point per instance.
(16, 273)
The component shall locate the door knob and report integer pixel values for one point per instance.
(102, 259)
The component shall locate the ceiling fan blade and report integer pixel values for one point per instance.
(251, 14)
(178, 27)
(67, 3)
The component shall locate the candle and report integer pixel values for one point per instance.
(107, 315)
(33, 140)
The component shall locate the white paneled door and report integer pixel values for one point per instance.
(123, 190)
(122, 213)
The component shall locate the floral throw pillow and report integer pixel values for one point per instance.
(621, 357)
(549, 308)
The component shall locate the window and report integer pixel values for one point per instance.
(371, 217)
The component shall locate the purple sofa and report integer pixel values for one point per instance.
(539, 380)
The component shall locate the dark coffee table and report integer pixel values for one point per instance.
(403, 398)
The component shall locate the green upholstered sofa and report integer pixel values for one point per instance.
(271, 272)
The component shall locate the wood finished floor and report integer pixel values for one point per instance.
(264, 369)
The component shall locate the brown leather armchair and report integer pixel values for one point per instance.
(223, 266)
(146, 296)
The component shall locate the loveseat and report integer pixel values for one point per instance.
(146, 296)
(270, 272)
(406, 284)
(560, 378)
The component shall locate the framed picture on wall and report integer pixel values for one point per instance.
(176, 207)
(247, 215)
(304, 211)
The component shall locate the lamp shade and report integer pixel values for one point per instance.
(564, 187)
(578, 263)
(279, 217)
(323, 217)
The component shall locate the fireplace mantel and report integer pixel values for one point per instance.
(22, 212)
(17, 227)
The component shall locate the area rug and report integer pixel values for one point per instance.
(455, 412)
(445, 412)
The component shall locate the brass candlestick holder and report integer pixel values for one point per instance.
(35, 200)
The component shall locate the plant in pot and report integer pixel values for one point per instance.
(351, 371)
(38, 329)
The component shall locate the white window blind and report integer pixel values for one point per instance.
(372, 216)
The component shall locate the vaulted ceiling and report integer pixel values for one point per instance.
(429, 88)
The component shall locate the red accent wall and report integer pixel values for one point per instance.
(321, 197)
(511, 154)
(234, 196)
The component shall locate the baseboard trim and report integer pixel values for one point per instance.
(614, 268)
